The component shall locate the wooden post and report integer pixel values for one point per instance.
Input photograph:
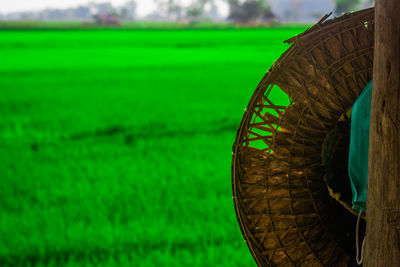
(383, 198)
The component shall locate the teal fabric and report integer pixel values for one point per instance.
(358, 152)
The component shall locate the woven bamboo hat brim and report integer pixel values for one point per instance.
(281, 200)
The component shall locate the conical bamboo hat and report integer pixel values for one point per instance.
(282, 204)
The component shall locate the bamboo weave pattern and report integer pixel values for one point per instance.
(282, 204)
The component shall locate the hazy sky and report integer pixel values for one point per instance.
(143, 6)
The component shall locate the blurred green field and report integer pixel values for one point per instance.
(84, 25)
(115, 146)
(129, 25)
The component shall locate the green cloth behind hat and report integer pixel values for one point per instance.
(359, 144)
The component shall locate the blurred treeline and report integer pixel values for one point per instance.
(237, 11)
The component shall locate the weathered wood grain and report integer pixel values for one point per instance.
(383, 201)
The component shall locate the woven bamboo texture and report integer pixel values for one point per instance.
(282, 203)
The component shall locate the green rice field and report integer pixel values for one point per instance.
(115, 145)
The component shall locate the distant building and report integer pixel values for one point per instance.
(106, 19)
